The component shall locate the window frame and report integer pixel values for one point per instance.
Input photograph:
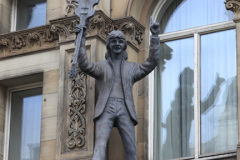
(14, 15)
(196, 34)
(8, 113)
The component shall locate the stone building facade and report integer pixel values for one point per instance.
(40, 57)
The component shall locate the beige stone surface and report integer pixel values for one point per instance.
(48, 128)
(5, 15)
(140, 128)
(53, 14)
(2, 107)
(4, 28)
(53, 4)
(115, 146)
(2, 119)
(29, 64)
(1, 142)
(2, 96)
(136, 8)
(49, 105)
(105, 6)
(48, 150)
(6, 3)
(50, 82)
(119, 8)
(140, 151)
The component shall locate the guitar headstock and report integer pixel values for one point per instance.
(86, 7)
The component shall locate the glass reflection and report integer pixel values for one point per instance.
(184, 14)
(174, 116)
(219, 84)
(31, 13)
(25, 125)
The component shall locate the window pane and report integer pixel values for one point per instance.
(174, 116)
(25, 125)
(184, 14)
(31, 13)
(218, 92)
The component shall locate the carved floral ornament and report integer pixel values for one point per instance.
(105, 27)
(61, 30)
(77, 109)
(71, 6)
(233, 5)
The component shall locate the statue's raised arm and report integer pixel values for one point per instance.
(84, 11)
(143, 69)
(90, 68)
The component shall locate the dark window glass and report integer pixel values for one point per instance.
(25, 125)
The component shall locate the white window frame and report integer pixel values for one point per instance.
(195, 33)
(14, 15)
(8, 113)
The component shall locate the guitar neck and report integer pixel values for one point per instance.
(79, 39)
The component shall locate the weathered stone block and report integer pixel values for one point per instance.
(50, 82)
(49, 105)
(48, 150)
(48, 128)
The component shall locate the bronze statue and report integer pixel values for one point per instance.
(115, 77)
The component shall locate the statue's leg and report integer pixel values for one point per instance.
(103, 127)
(125, 127)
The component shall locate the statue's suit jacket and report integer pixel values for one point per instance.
(103, 72)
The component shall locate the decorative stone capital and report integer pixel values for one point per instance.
(233, 5)
(20, 42)
(100, 25)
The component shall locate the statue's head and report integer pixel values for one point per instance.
(116, 37)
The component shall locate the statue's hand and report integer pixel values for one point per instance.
(219, 80)
(154, 27)
(78, 29)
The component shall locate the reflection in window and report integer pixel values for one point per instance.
(31, 13)
(174, 135)
(25, 125)
(184, 14)
(219, 84)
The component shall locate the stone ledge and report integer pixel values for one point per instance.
(61, 31)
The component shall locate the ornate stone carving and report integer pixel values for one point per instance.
(71, 6)
(18, 42)
(48, 36)
(233, 5)
(139, 37)
(60, 29)
(77, 109)
(34, 37)
(72, 26)
(96, 21)
(5, 47)
(129, 26)
(26, 41)
(5, 43)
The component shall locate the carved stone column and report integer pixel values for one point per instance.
(234, 6)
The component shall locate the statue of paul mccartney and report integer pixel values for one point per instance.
(115, 77)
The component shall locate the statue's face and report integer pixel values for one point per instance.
(117, 45)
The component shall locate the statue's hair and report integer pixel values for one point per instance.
(112, 35)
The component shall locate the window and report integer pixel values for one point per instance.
(28, 14)
(23, 123)
(195, 84)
